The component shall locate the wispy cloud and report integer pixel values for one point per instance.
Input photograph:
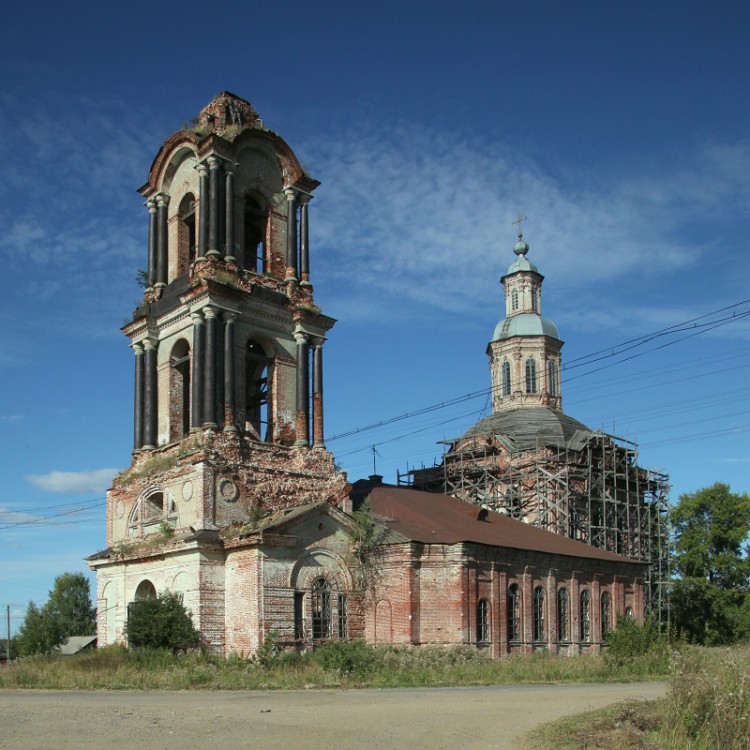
(74, 481)
(13, 516)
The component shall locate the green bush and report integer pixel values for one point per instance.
(161, 623)
(346, 657)
(631, 643)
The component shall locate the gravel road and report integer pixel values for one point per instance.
(412, 719)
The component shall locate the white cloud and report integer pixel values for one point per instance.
(13, 516)
(74, 481)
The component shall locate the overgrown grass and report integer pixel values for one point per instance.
(335, 664)
(707, 708)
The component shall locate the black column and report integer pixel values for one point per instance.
(291, 234)
(304, 247)
(213, 207)
(229, 395)
(229, 220)
(150, 395)
(138, 405)
(203, 211)
(209, 382)
(151, 243)
(162, 201)
(303, 391)
(196, 397)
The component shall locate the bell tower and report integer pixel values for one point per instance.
(228, 355)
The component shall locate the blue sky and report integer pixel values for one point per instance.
(621, 131)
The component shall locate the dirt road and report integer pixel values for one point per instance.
(455, 718)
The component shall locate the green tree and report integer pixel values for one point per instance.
(161, 622)
(710, 594)
(67, 612)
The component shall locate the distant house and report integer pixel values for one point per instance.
(74, 644)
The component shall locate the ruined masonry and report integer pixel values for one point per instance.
(232, 499)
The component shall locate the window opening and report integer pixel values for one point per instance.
(585, 616)
(321, 609)
(629, 613)
(514, 300)
(506, 379)
(299, 621)
(255, 236)
(179, 390)
(343, 624)
(257, 409)
(483, 621)
(530, 375)
(605, 615)
(539, 631)
(551, 377)
(534, 300)
(563, 634)
(186, 234)
(514, 613)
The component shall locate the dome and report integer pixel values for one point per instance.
(522, 263)
(526, 428)
(525, 324)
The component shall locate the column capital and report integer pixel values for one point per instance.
(303, 198)
(150, 343)
(317, 341)
(202, 170)
(290, 194)
(229, 317)
(197, 318)
(213, 162)
(300, 337)
(151, 205)
(162, 199)
(209, 312)
(137, 347)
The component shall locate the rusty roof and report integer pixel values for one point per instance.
(432, 518)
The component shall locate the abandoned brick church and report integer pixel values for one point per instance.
(232, 498)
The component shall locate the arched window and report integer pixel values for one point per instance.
(530, 375)
(145, 590)
(258, 420)
(343, 621)
(483, 621)
(320, 609)
(563, 632)
(255, 236)
(540, 633)
(179, 390)
(628, 613)
(551, 377)
(585, 616)
(186, 234)
(535, 300)
(514, 300)
(514, 613)
(605, 615)
(506, 378)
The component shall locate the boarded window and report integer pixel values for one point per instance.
(540, 633)
(563, 631)
(514, 613)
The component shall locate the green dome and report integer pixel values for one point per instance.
(525, 324)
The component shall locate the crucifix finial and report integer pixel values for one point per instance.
(518, 221)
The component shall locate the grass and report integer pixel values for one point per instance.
(352, 664)
(707, 708)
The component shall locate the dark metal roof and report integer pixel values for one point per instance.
(440, 519)
(527, 428)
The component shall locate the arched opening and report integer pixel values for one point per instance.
(186, 233)
(514, 300)
(145, 590)
(506, 385)
(255, 235)
(179, 390)
(535, 300)
(320, 609)
(551, 377)
(605, 615)
(563, 631)
(483, 621)
(258, 418)
(585, 616)
(540, 633)
(530, 375)
(514, 613)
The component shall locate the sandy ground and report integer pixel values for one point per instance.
(413, 719)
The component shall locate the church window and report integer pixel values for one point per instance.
(514, 613)
(343, 624)
(539, 630)
(514, 300)
(563, 633)
(299, 621)
(257, 400)
(255, 236)
(179, 390)
(321, 609)
(483, 621)
(530, 375)
(506, 379)
(551, 377)
(534, 300)
(585, 616)
(628, 613)
(145, 590)
(605, 615)
(186, 234)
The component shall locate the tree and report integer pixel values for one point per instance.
(68, 612)
(710, 600)
(161, 622)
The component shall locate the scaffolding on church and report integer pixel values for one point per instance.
(593, 492)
